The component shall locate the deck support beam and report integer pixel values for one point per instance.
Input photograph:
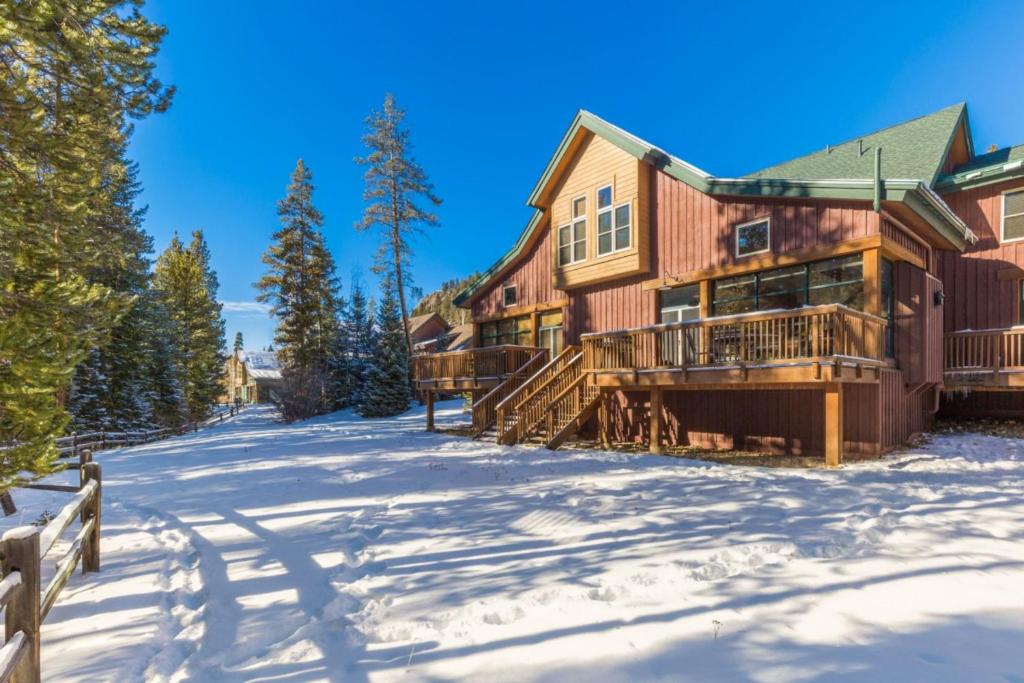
(655, 420)
(430, 410)
(833, 424)
(604, 420)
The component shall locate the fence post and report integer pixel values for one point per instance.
(21, 554)
(84, 458)
(91, 549)
(74, 444)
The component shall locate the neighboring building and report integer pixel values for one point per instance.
(460, 338)
(799, 309)
(426, 332)
(251, 377)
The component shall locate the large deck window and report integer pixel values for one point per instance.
(680, 304)
(833, 281)
(518, 331)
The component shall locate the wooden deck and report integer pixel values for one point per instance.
(813, 345)
(984, 360)
(470, 370)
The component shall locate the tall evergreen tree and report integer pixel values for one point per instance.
(395, 187)
(187, 286)
(359, 332)
(239, 344)
(72, 75)
(302, 289)
(387, 379)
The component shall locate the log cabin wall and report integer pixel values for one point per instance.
(977, 297)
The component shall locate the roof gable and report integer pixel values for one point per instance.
(585, 122)
(914, 150)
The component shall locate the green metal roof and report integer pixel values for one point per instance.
(914, 150)
(985, 169)
(912, 158)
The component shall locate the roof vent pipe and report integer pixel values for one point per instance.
(878, 180)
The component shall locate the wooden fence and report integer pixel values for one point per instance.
(22, 551)
(69, 446)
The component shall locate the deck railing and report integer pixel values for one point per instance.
(490, 361)
(984, 350)
(485, 411)
(751, 338)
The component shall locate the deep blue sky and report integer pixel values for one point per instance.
(491, 87)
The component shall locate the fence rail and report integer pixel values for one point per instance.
(984, 350)
(22, 551)
(69, 446)
(778, 336)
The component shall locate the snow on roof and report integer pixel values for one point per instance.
(261, 364)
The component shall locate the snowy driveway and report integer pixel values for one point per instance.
(351, 550)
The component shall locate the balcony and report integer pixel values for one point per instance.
(986, 359)
(808, 345)
(472, 369)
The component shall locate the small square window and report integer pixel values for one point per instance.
(753, 237)
(508, 296)
(579, 207)
(604, 197)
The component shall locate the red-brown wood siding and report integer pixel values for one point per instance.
(779, 421)
(976, 298)
(692, 230)
(532, 277)
(903, 413)
(893, 232)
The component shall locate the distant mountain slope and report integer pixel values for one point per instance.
(440, 301)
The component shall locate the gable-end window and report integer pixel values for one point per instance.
(572, 238)
(680, 304)
(508, 296)
(605, 236)
(753, 237)
(1013, 215)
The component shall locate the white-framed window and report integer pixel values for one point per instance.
(754, 237)
(1013, 215)
(508, 296)
(613, 223)
(572, 238)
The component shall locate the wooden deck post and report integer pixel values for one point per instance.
(430, 410)
(604, 420)
(833, 424)
(655, 437)
(21, 554)
(91, 549)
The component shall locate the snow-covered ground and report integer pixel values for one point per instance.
(350, 550)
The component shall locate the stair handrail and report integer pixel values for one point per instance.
(552, 363)
(530, 411)
(481, 423)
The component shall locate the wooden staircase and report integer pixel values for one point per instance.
(551, 405)
(484, 410)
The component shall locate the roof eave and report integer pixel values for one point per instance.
(981, 177)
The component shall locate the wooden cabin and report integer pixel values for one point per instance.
(816, 307)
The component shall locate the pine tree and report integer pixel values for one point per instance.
(361, 340)
(187, 287)
(302, 289)
(72, 76)
(395, 184)
(387, 378)
(239, 344)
